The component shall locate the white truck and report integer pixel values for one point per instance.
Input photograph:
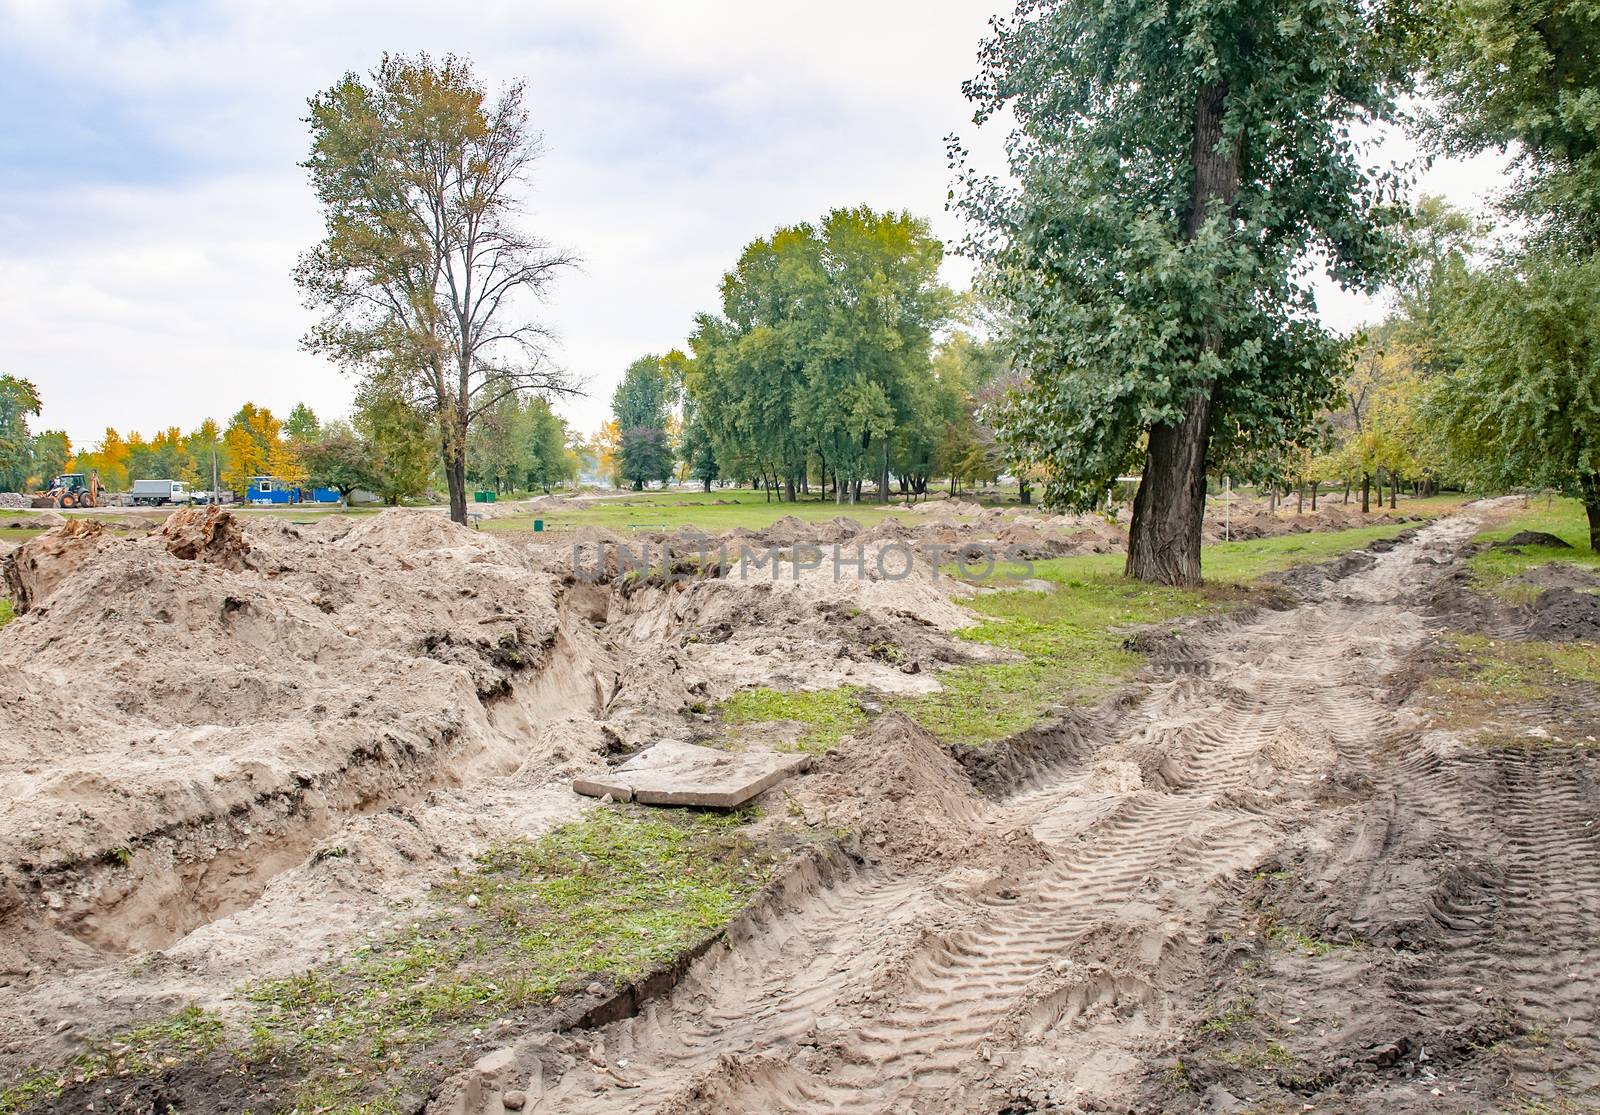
(156, 493)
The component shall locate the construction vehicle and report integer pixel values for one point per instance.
(72, 489)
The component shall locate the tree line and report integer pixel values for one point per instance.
(385, 447)
(837, 358)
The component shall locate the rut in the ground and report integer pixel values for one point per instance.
(1039, 979)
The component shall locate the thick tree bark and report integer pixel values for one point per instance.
(883, 474)
(1366, 493)
(453, 448)
(1590, 483)
(1169, 509)
(1164, 542)
(1024, 493)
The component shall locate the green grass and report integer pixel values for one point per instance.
(189, 1033)
(829, 714)
(6, 613)
(20, 534)
(714, 512)
(1491, 674)
(611, 897)
(1072, 639)
(1561, 517)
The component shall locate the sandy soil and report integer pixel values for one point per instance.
(192, 715)
(1071, 946)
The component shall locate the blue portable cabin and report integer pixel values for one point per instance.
(325, 495)
(269, 490)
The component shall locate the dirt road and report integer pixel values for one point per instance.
(1262, 888)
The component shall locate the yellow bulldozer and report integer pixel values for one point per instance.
(72, 489)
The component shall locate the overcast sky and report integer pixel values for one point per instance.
(151, 205)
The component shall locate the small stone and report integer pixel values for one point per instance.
(514, 1100)
(596, 989)
(472, 901)
(606, 799)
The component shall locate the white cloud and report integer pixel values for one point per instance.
(145, 279)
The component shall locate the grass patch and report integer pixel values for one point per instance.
(7, 614)
(713, 512)
(1296, 938)
(1072, 639)
(1562, 517)
(611, 896)
(829, 714)
(189, 1034)
(1489, 675)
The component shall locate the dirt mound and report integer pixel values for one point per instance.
(41, 565)
(1565, 615)
(1532, 538)
(1027, 542)
(207, 534)
(1558, 574)
(907, 799)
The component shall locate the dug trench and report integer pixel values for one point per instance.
(1030, 931)
(232, 750)
(1262, 884)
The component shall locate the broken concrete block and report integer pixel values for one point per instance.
(672, 773)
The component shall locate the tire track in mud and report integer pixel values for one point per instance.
(1043, 962)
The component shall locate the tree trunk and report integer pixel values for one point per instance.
(1347, 491)
(1366, 493)
(1315, 484)
(1169, 509)
(455, 474)
(1590, 483)
(1164, 539)
(883, 474)
(1394, 489)
(1024, 493)
(1299, 498)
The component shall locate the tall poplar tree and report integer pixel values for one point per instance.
(1178, 168)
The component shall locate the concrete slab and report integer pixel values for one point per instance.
(672, 773)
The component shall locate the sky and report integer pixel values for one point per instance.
(152, 205)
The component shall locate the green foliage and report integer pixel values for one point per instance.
(18, 399)
(829, 714)
(1518, 401)
(520, 444)
(1520, 74)
(302, 427)
(401, 445)
(189, 1033)
(645, 455)
(339, 459)
(422, 269)
(1131, 292)
(822, 348)
(52, 449)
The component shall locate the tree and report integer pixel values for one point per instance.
(1521, 74)
(642, 405)
(301, 428)
(1519, 402)
(340, 459)
(52, 449)
(645, 456)
(247, 459)
(422, 274)
(606, 445)
(109, 459)
(18, 399)
(400, 441)
(1178, 170)
(822, 348)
